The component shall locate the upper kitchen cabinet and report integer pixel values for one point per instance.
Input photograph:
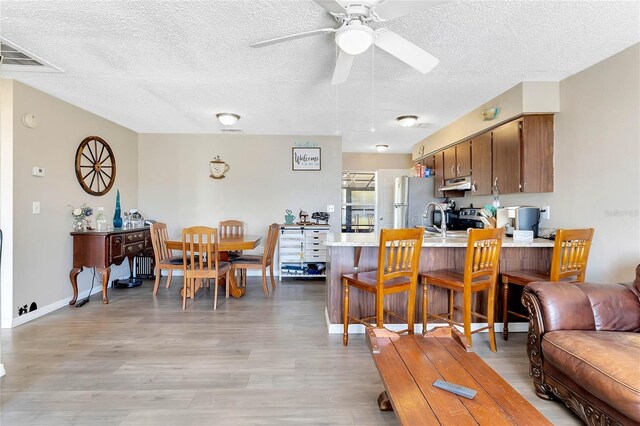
(438, 167)
(537, 153)
(523, 155)
(457, 160)
(481, 164)
(507, 141)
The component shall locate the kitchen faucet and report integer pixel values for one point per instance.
(443, 220)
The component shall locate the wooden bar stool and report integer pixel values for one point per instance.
(397, 272)
(480, 273)
(568, 264)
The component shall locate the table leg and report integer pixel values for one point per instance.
(234, 290)
(73, 277)
(383, 402)
(104, 273)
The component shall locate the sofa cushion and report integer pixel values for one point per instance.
(636, 283)
(605, 363)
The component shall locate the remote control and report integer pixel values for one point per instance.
(457, 389)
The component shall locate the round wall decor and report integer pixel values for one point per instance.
(95, 166)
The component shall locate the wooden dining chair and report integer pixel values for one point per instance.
(480, 274)
(245, 262)
(398, 259)
(164, 259)
(229, 229)
(201, 261)
(568, 264)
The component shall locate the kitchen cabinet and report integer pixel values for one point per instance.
(523, 155)
(481, 168)
(537, 153)
(302, 250)
(457, 160)
(507, 141)
(438, 167)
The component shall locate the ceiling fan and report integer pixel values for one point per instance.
(354, 35)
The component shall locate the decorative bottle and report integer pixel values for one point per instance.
(101, 221)
(117, 216)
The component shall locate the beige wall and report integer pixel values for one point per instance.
(175, 187)
(358, 161)
(597, 157)
(526, 97)
(42, 246)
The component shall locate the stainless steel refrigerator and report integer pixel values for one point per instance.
(410, 198)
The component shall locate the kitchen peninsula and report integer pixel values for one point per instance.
(348, 253)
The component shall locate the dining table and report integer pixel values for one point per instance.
(225, 245)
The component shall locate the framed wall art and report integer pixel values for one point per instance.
(306, 159)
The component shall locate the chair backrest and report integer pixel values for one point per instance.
(199, 249)
(483, 254)
(401, 256)
(158, 237)
(270, 245)
(570, 254)
(231, 228)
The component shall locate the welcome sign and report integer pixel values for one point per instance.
(306, 159)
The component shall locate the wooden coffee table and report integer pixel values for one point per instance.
(408, 366)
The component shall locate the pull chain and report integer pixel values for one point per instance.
(373, 63)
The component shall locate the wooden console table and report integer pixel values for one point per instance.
(103, 249)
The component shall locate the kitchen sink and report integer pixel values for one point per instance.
(450, 234)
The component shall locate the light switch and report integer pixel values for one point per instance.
(37, 171)
(330, 208)
(36, 207)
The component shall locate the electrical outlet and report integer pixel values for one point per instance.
(261, 249)
(36, 207)
(545, 213)
(330, 208)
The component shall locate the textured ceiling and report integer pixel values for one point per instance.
(169, 66)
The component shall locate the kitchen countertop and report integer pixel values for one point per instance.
(457, 240)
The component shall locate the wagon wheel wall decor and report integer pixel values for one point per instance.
(95, 166)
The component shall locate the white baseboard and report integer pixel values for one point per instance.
(30, 316)
(514, 327)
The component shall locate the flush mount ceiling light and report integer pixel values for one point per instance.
(354, 38)
(382, 148)
(227, 118)
(407, 120)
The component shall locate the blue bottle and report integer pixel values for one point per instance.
(117, 216)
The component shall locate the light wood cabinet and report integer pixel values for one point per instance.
(481, 168)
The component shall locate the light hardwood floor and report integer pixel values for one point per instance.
(141, 360)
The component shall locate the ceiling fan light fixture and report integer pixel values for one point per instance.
(354, 38)
(407, 120)
(382, 148)
(227, 118)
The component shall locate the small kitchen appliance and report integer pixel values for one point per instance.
(527, 219)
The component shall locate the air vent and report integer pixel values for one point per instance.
(231, 131)
(15, 58)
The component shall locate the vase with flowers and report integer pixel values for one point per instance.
(81, 217)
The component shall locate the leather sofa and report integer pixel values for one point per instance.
(584, 348)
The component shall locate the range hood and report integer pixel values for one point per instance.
(457, 184)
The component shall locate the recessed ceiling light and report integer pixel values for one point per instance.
(382, 148)
(407, 120)
(227, 118)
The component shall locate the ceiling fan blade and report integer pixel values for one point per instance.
(343, 67)
(331, 6)
(293, 37)
(391, 9)
(404, 50)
